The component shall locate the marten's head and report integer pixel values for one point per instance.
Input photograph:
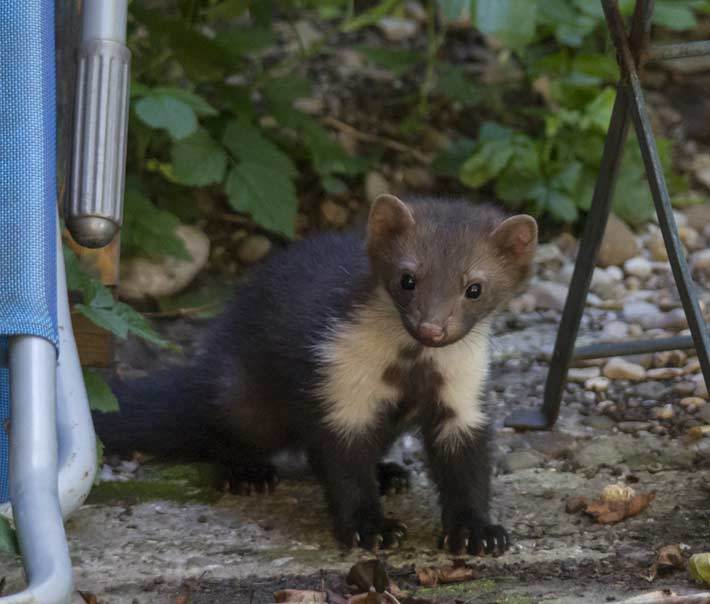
(447, 265)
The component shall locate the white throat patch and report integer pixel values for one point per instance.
(359, 350)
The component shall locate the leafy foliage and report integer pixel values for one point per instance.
(8, 538)
(100, 396)
(99, 305)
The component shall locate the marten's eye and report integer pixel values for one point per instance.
(408, 281)
(474, 290)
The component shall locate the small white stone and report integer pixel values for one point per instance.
(615, 330)
(700, 261)
(615, 273)
(549, 295)
(664, 373)
(375, 184)
(620, 369)
(638, 267)
(397, 29)
(701, 388)
(636, 310)
(597, 384)
(582, 374)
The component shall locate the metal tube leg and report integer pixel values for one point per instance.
(534, 419)
(33, 473)
(659, 192)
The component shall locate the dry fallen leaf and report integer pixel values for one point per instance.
(610, 512)
(88, 597)
(300, 595)
(669, 557)
(430, 576)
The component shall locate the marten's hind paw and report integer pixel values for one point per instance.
(392, 477)
(477, 539)
(389, 535)
(248, 478)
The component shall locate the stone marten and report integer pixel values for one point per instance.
(337, 345)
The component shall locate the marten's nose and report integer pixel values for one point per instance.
(429, 332)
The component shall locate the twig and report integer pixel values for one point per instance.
(374, 138)
(666, 596)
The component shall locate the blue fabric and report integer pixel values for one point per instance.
(27, 181)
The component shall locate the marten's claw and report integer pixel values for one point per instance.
(476, 540)
(389, 535)
(243, 479)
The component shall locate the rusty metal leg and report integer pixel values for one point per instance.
(538, 419)
(659, 191)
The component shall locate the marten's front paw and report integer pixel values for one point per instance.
(476, 538)
(387, 534)
(243, 479)
(392, 478)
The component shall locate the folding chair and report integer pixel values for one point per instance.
(48, 459)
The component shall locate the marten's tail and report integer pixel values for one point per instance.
(164, 414)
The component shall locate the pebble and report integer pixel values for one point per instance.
(700, 261)
(549, 295)
(691, 239)
(651, 390)
(397, 29)
(618, 245)
(605, 284)
(665, 412)
(693, 366)
(657, 247)
(615, 330)
(333, 213)
(521, 460)
(143, 278)
(597, 384)
(619, 369)
(692, 401)
(524, 303)
(638, 267)
(582, 375)
(698, 216)
(253, 248)
(634, 426)
(684, 388)
(664, 373)
(600, 452)
(701, 388)
(375, 184)
(704, 413)
(637, 310)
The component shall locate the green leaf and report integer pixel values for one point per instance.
(448, 162)
(226, 10)
(243, 41)
(268, 196)
(455, 84)
(136, 323)
(100, 396)
(453, 10)
(246, 143)
(510, 21)
(674, 15)
(371, 16)
(397, 61)
(167, 113)
(149, 231)
(561, 207)
(105, 318)
(287, 89)
(199, 105)
(198, 160)
(569, 25)
(8, 538)
(201, 58)
(487, 162)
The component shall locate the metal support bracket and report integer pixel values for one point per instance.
(629, 107)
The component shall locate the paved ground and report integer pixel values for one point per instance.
(155, 540)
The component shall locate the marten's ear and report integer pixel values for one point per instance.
(517, 236)
(389, 216)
